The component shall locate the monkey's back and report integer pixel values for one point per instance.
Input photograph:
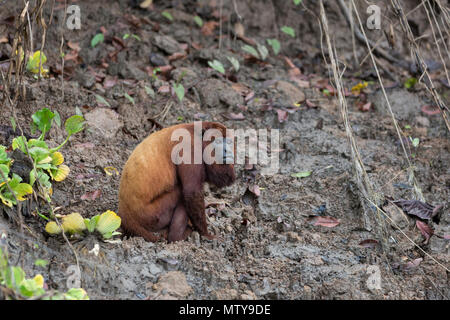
(148, 172)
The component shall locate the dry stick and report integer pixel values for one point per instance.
(61, 51)
(19, 71)
(415, 51)
(417, 190)
(362, 179)
(406, 236)
(361, 36)
(435, 39)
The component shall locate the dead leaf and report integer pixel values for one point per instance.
(430, 110)
(177, 56)
(418, 208)
(369, 243)
(255, 190)
(209, 27)
(146, 4)
(91, 195)
(74, 46)
(164, 89)
(234, 116)
(326, 221)
(412, 264)
(239, 29)
(425, 229)
(282, 115)
(365, 107)
(3, 39)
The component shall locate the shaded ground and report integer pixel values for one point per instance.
(269, 248)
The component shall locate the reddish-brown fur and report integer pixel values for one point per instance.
(159, 196)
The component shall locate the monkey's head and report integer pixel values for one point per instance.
(219, 154)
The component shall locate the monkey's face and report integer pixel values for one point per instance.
(220, 165)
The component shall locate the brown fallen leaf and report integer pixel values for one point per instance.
(209, 27)
(164, 89)
(91, 195)
(369, 243)
(365, 107)
(146, 4)
(177, 56)
(430, 110)
(74, 46)
(418, 208)
(282, 115)
(324, 221)
(425, 229)
(255, 190)
(234, 116)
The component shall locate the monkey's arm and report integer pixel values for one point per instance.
(192, 177)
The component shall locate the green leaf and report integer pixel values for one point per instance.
(98, 38)
(37, 143)
(38, 154)
(179, 91)
(126, 95)
(102, 100)
(136, 37)
(410, 83)
(43, 120)
(251, 50)
(76, 294)
(57, 119)
(74, 124)
(289, 31)
(217, 65)
(5, 169)
(18, 276)
(275, 44)
(35, 60)
(234, 62)
(108, 222)
(167, 15)
(415, 142)
(302, 174)
(91, 223)
(198, 21)
(126, 36)
(297, 2)
(3, 155)
(41, 263)
(262, 51)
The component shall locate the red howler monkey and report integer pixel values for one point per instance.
(158, 192)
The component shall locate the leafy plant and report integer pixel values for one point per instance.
(275, 44)
(410, 83)
(167, 15)
(217, 65)
(179, 91)
(198, 21)
(106, 224)
(302, 174)
(98, 38)
(234, 62)
(20, 287)
(47, 162)
(249, 49)
(35, 60)
(297, 2)
(127, 35)
(129, 98)
(263, 52)
(289, 31)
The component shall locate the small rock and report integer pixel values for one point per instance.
(226, 294)
(188, 76)
(423, 121)
(248, 295)
(104, 122)
(172, 285)
(293, 236)
(167, 44)
(158, 60)
(213, 92)
(290, 93)
(86, 79)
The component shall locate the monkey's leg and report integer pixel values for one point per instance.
(179, 229)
